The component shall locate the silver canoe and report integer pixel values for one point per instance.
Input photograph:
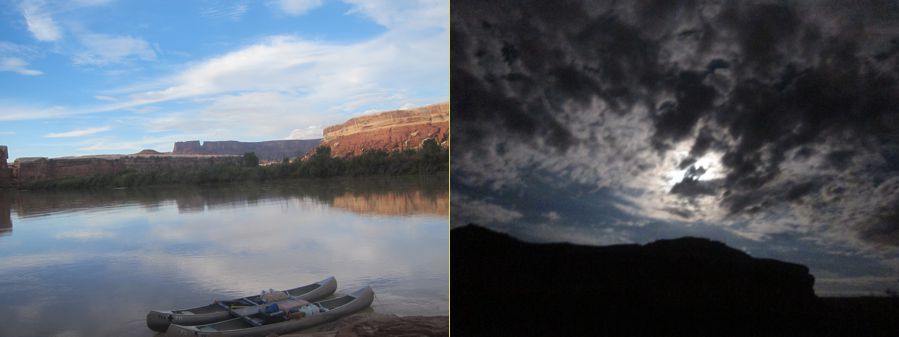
(159, 320)
(260, 324)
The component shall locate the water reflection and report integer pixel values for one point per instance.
(5, 216)
(386, 196)
(116, 254)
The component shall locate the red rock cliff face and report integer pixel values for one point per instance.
(390, 131)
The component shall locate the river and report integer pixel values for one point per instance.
(93, 263)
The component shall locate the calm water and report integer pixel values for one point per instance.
(93, 263)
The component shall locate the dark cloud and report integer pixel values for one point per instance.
(691, 186)
(793, 97)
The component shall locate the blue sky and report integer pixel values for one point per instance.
(106, 76)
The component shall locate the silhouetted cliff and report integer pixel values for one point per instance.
(684, 287)
(268, 150)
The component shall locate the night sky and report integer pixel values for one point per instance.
(771, 126)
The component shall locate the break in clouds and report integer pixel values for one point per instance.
(761, 117)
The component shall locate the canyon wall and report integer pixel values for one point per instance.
(395, 130)
(268, 150)
(40, 168)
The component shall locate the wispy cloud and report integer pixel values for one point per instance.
(297, 7)
(112, 143)
(310, 132)
(77, 133)
(480, 212)
(18, 65)
(39, 21)
(12, 111)
(408, 13)
(102, 49)
(233, 12)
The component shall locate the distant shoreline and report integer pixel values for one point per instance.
(430, 159)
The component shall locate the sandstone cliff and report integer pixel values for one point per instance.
(268, 150)
(389, 131)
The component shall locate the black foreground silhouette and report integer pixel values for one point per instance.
(501, 286)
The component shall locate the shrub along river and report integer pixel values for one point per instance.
(93, 263)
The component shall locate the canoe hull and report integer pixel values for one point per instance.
(364, 297)
(159, 320)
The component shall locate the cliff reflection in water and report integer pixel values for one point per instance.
(5, 215)
(393, 203)
(388, 196)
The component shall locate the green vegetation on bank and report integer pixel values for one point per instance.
(429, 159)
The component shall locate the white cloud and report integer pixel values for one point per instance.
(467, 210)
(77, 133)
(298, 7)
(310, 132)
(404, 13)
(257, 67)
(11, 111)
(17, 65)
(7, 133)
(233, 12)
(39, 22)
(102, 49)
(13, 49)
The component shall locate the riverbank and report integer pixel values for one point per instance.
(429, 160)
